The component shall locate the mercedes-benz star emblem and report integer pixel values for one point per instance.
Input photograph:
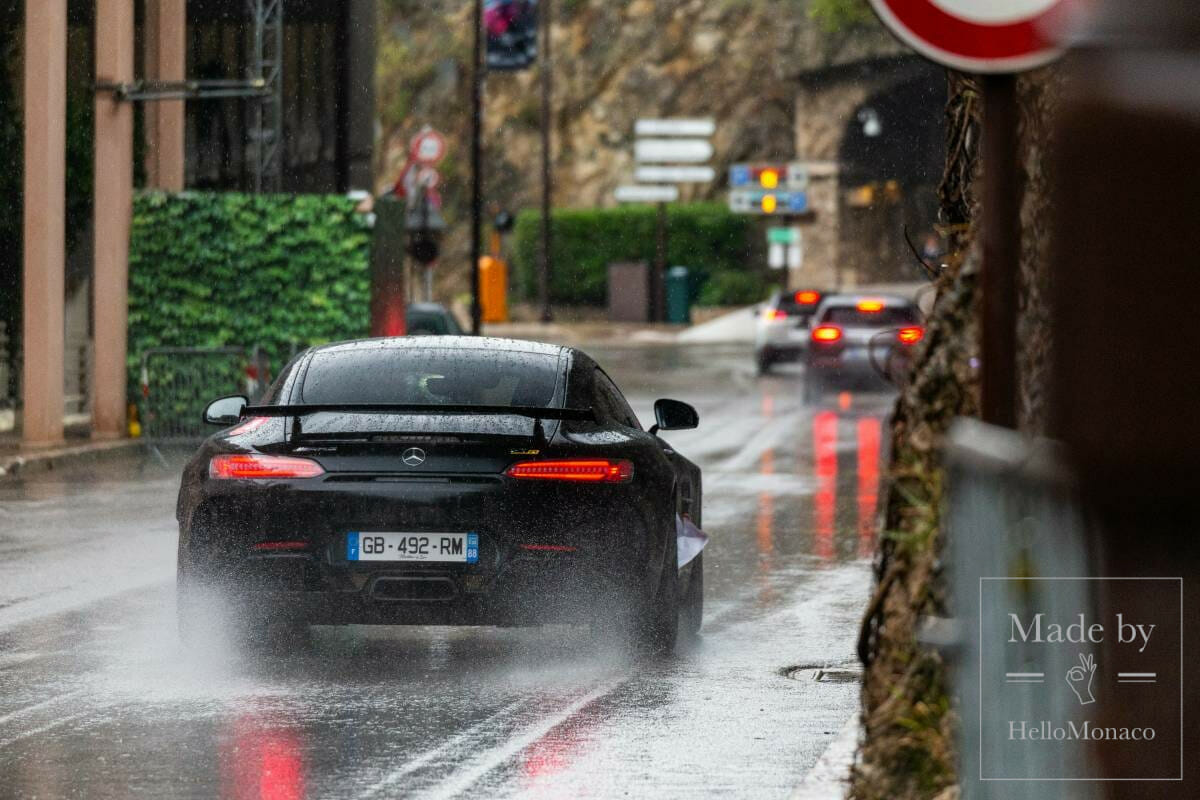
(413, 456)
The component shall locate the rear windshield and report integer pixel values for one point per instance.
(888, 317)
(430, 376)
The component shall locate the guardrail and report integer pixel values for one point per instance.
(1016, 543)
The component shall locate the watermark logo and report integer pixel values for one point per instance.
(1079, 678)
(1059, 683)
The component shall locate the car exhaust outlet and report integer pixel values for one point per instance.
(414, 588)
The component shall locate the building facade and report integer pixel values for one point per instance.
(93, 107)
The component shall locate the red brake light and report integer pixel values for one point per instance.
(870, 306)
(775, 313)
(826, 333)
(911, 335)
(807, 298)
(252, 424)
(590, 470)
(250, 467)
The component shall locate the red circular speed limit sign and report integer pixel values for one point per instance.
(428, 146)
(980, 35)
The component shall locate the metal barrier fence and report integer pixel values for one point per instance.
(1016, 546)
(177, 383)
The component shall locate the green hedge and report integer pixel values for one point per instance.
(218, 269)
(703, 236)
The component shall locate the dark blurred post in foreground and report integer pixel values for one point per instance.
(544, 265)
(476, 163)
(1124, 393)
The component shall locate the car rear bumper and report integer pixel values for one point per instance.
(524, 593)
(544, 552)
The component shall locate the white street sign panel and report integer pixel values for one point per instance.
(686, 151)
(776, 258)
(675, 127)
(982, 35)
(660, 174)
(646, 194)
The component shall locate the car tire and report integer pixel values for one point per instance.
(656, 626)
(691, 607)
(763, 362)
(813, 388)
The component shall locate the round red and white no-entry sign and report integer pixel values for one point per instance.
(980, 35)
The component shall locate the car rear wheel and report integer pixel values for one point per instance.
(764, 362)
(691, 607)
(656, 626)
(814, 388)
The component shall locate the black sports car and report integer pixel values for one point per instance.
(440, 480)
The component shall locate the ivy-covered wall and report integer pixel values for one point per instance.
(707, 237)
(221, 269)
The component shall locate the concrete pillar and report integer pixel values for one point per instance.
(45, 186)
(114, 197)
(166, 56)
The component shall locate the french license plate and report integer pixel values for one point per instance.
(460, 548)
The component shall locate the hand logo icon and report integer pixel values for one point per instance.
(1079, 678)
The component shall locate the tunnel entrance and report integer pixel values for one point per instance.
(892, 156)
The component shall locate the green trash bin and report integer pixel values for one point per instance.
(679, 295)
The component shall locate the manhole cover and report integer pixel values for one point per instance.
(823, 674)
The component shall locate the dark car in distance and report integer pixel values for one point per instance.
(440, 480)
(430, 319)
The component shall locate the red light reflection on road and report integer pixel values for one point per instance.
(763, 527)
(825, 434)
(556, 751)
(261, 761)
(868, 482)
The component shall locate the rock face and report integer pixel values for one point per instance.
(613, 61)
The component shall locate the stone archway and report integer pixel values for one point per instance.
(907, 97)
(890, 160)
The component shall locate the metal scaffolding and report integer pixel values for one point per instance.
(263, 86)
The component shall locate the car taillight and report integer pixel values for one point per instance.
(580, 470)
(870, 306)
(249, 467)
(826, 333)
(252, 424)
(910, 335)
(808, 298)
(775, 313)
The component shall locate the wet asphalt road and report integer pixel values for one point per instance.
(98, 700)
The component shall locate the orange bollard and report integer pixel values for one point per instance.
(493, 289)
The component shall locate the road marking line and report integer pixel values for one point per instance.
(452, 787)
(39, 705)
(450, 744)
(42, 728)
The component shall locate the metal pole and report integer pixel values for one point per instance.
(476, 165)
(544, 265)
(1001, 251)
(658, 276)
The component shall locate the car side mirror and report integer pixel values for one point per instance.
(673, 415)
(226, 410)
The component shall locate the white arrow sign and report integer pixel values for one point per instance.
(646, 194)
(687, 151)
(675, 127)
(652, 174)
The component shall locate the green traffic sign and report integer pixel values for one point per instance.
(781, 235)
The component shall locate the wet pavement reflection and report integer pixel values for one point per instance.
(97, 699)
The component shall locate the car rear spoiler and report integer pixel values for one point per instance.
(536, 413)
